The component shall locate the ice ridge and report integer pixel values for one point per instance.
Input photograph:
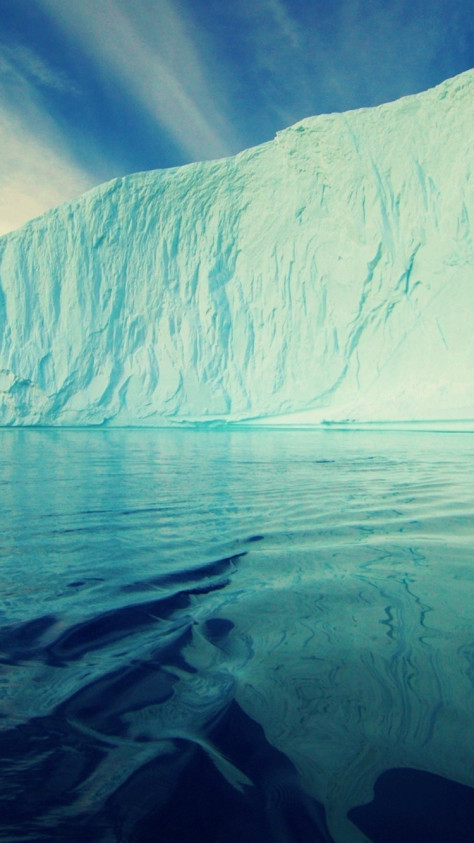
(323, 276)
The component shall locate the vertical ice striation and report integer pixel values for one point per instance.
(325, 275)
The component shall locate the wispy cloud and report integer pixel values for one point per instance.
(35, 173)
(19, 62)
(149, 50)
(36, 169)
(336, 56)
(289, 30)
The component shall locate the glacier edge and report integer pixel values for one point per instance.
(326, 276)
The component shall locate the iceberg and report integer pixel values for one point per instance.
(324, 276)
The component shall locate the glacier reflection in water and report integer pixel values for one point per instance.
(236, 636)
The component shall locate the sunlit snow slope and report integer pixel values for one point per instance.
(325, 275)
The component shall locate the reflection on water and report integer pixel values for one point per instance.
(245, 637)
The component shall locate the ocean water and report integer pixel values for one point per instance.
(236, 637)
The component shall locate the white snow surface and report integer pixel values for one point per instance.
(327, 275)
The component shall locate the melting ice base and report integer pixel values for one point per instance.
(325, 275)
(236, 636)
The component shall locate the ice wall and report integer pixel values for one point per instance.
(325, 275)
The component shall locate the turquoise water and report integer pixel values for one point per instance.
(236, 636)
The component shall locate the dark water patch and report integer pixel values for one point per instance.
(205, 772)
(58, 771)
(140, 510)
(100, 706)
(415, 806)
(88, 581)
(110, 627)
(216, 630)
(42, 764)
(219, 568)
(241, 791)
(61, 769)
(22, 641)
(98, 632)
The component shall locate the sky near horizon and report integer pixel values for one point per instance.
(93, 89)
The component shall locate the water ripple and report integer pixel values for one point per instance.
(236, 636)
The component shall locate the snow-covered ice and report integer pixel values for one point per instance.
(326, 275)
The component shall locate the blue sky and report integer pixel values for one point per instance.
(92, 89)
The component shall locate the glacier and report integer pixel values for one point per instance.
(325, 276)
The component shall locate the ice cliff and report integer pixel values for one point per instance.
(325, 275)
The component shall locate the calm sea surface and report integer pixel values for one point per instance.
(236, 637)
